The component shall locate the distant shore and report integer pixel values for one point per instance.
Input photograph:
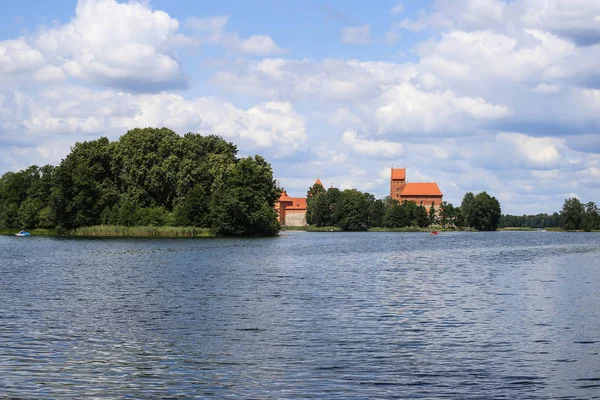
(309, 228)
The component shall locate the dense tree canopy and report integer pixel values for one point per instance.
(352, 210)
(481, 211)
(530, 221)
(148, 177)
(578, 216)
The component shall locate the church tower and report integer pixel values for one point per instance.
(397, 182)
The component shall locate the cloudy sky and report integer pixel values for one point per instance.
(501, 96)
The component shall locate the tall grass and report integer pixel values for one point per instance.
(141, 231)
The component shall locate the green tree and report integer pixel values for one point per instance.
(318, 210)
(376, 213)
(433, 219)
(193, 208)
(466, 207)
(145, 165)
(591, 217)
(410, 213)
(458, 219)
(83, 185)
(23, 195)
(395, 215)
(244, 204)
(28, 213)
(421, 217)
(321, 207)
(315, 190)
(484, 212)
(352, 211)
(572, 214)
(447, 213)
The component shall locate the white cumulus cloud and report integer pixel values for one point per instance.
(371, 148)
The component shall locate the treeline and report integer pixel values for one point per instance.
(573, 216)
(352, 210)
(576, 215)
(538, 221)
(149, 177)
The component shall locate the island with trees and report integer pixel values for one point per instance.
(148, 178)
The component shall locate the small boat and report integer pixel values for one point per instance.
(23, 233)
(434, 232)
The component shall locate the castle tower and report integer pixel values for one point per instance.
(397, 182)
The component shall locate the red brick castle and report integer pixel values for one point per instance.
(426, 194)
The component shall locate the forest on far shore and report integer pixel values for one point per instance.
(149, 177)
(573, 216)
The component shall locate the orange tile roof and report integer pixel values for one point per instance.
(398, 173)
(421, 189)
(319, 182)
(284, 196)
(298, 203)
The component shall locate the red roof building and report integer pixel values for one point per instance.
(426, 194)
(292, 210)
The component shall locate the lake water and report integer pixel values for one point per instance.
(510, 315)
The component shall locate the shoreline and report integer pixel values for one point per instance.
(112, 231)
(115, 231)
(309, 228)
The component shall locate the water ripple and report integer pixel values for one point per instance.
(327, 315)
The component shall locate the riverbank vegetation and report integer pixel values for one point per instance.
(311, 228)
(148, 178)
(42, 232)
(141, 231)
(534, 222)
(574, 216)
(352, 210)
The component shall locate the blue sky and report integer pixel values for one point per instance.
(501, 96)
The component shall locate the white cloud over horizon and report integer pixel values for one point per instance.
(496, 96)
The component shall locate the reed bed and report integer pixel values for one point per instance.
(141, 231)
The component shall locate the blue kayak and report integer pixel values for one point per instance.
(23, 233)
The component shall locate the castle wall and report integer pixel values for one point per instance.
(295, 218)
(426, 200)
